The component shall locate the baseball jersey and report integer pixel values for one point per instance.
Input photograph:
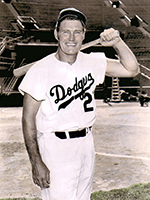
(66, 91)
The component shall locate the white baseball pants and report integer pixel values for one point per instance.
(71, 165)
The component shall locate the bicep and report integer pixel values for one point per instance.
(116, 69)
(30, 107)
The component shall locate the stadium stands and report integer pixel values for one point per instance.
(136, 2)
(5, 20)
(100, 15)
(46, 13)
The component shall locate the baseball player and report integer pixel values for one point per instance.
(59, 107)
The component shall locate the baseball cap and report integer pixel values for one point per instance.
(71, 12)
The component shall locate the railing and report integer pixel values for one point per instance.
(3, 45)
(145, 69)
(7, 40)
(8, 83)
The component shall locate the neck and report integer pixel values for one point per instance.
(66, 58)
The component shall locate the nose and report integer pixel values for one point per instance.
(71, 37)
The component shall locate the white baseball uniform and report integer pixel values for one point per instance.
(67, 95)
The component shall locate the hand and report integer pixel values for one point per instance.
(41, 175)
(109, 37)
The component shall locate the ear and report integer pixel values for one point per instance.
(56, 34)
(84, 33)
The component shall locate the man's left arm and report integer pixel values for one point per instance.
(126, 65)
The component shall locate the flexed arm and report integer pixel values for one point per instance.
(40, 172)
(126, 65)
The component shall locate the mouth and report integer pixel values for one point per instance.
(70, 44)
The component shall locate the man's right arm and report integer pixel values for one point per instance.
(39, 170)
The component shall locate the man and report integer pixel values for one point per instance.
(59, 107)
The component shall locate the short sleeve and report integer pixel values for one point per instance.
(99, 66)
(33, 83)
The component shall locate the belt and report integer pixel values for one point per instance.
(72, 134)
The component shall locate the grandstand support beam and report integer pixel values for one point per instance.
(12, 10)
(145, 32)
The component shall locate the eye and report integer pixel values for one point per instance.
(65, 32)
(77, 32)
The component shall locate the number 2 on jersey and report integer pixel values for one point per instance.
(88, 101)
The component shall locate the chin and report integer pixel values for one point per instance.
(73, 51)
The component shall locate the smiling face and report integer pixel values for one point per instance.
(70, 36)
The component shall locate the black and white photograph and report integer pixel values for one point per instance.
(74, 100)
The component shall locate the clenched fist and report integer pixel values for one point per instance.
(109, 37)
